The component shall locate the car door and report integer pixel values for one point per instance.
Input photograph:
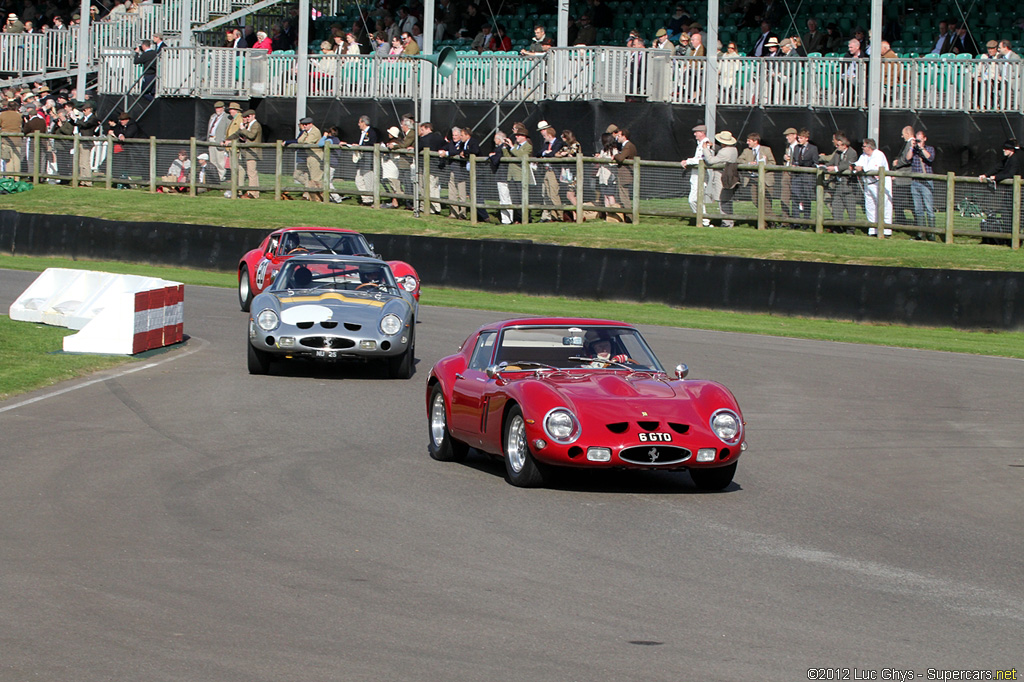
(469, 392)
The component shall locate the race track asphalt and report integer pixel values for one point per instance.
(188, 521)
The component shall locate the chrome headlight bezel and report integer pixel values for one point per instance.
(408, 283)
(391, 324)
(729, 434)
(566, 429)
(268, 320)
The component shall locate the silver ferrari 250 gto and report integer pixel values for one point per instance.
(331, 308)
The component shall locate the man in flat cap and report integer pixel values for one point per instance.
(216, 131)
(13, 24)
(788, 156)
(550, 145)
(309, 163)
(661, 41)
(520, 147)
(252, 133)
(700, 134)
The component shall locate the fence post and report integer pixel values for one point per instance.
(472, 189)
(579, 189)
(278, 166)
(326, 180)
(525, 202)
(109, 171)
(425, 187)
(35, 158)
(950, 205)
(376, 176)
(700, 193)
(235, 170)
(192, 166)
(1015, 220)
(76, 151)
(636, 190)
(762, 196)
(152, 164)
(880, 201)
(819, 202)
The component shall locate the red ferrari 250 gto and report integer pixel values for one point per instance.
(258, 267)
(579, 393)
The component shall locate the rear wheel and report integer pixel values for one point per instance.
(259, 361)
(713, 479)
(442, 446)
(244, 289)
(522, 469)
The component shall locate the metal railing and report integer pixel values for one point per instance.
(618, 74)
(580, 188)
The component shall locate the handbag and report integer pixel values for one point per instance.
(566, 176)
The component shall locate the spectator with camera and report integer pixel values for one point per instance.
(145, 56)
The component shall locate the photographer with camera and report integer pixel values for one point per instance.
(145, 56)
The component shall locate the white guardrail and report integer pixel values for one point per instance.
(564, 74)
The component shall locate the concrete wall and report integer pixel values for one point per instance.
(956, 298)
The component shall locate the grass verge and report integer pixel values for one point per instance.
(31, 357)
(1006, 344)
(669, 235)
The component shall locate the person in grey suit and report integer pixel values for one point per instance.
(216, 131)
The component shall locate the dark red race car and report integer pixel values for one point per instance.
(258, 267)
(579, 393)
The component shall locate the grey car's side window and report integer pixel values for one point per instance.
(482, 352)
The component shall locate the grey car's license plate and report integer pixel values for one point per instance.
(327, 354)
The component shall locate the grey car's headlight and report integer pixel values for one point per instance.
(391, 324)
(408, 283)
(268, 320)
(726, 425)
(561, 425)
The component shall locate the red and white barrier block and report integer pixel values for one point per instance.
(117, 314)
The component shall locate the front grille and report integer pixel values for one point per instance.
(326, 342)
(655, 455)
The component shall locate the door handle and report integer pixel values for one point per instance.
(459, 376)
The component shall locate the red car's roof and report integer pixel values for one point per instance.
(318, 229)
(555, 321)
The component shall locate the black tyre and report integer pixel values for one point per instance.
(522, 470)
(244, 289)
(713, 479)
(441, 445)
(402, 366)
(259, 361)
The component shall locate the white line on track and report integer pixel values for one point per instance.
(109, 375)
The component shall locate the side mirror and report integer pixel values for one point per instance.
(682, 371)
(494, 370)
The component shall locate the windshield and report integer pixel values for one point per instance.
(312, 241)
(597, 347)
(336, 275)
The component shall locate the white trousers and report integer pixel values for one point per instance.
(871, 201)
(505, 197)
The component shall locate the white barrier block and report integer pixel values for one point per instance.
(117, 314)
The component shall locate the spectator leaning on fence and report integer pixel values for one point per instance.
(216, 131)
(870, 161)
(757, 154)
(250, 131)
(11, 147)
(521, 149)
(309, 164)
(624, 176)
(1010, 167)
(366, 181)
(900, 181)
(500, 171)
(541, 42)
(844, 190)
(549, 147)
(700, 134)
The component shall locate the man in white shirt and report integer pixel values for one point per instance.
(870, 161)
(700, 134)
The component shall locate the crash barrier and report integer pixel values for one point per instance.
(525, 189)
(964, 299)
(116, 314)
(610, 74)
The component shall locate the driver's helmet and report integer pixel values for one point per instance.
(371, 276)
(302, 277)
(593, 337)
(289, 242)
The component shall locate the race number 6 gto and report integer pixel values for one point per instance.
(655, 437)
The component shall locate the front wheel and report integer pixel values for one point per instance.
(401, 366)
(522, 469)
(244, 289)
(442, 446)
(259, 361)
(713, 479)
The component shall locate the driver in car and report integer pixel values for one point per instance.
(370, 277)
(291, 244)
(601, 350)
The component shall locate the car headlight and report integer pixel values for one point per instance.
(408, 283)
(726, 425)
(391, 324)
(561, 425)
(268, 320)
